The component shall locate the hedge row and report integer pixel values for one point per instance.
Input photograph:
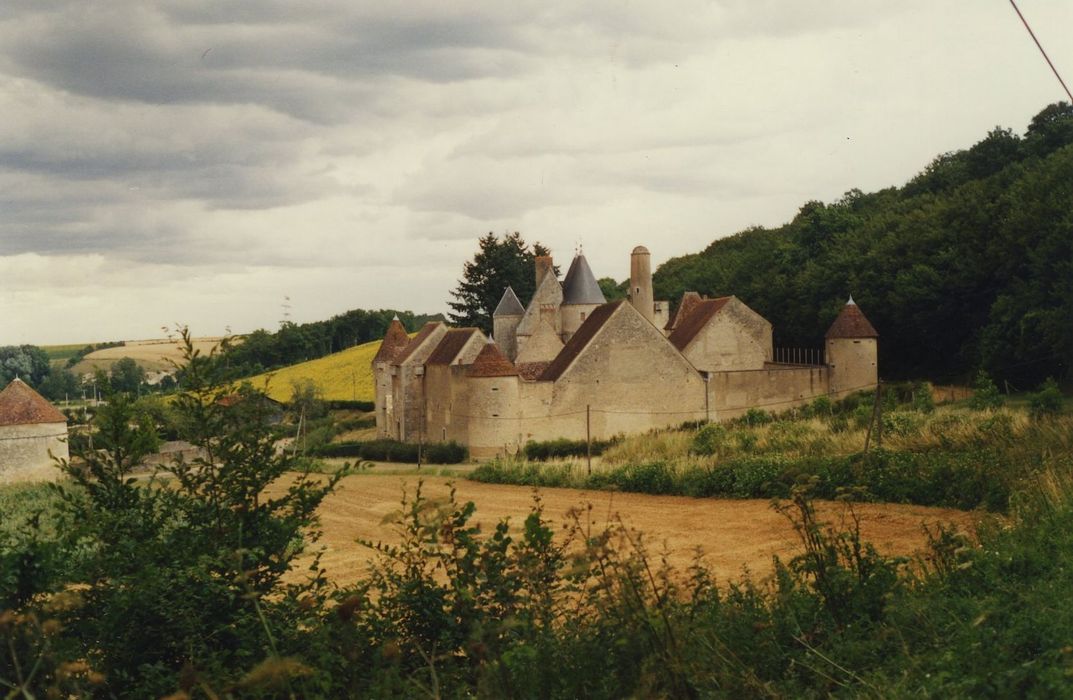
(343, 405)
(395, 451)
(555, 449)
(979, 478)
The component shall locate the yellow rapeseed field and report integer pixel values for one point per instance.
(342, 376)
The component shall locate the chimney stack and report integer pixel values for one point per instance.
(543, 266)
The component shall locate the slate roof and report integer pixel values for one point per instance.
(851, 323)
(579, 285)
(21, 405)
(687, 328)
(509, 305)
(450, 345)
(395, 341)
(416, 342)
(491, 363)
(685, 307)
(579, 340)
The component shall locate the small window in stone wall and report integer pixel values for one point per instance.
(495, 388)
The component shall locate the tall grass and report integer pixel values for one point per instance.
(946, 457)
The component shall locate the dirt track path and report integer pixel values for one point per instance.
(734, 534)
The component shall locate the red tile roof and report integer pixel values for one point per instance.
(685, 307)
(21, 405)
(450, 345)
(851, 323)
(415, 342)
(579, 340)
(531, 370)
(395, 341)
(687, 328)
(491, 363)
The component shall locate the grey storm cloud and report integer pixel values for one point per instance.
(243, 145)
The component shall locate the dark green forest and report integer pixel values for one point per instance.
(969, 265)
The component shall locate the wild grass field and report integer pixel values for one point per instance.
(940, 456)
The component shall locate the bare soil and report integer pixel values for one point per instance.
(735, 535)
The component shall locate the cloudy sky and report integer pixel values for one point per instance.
(197, 161)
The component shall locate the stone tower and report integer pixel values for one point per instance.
(641, 296)
(581, 295)
(505, 320)
(852, 352)
(395, 341)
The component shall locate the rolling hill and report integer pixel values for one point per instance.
(341, 376)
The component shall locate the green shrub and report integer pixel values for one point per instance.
(985, 394)
(563, 447)
(1047, 401)
(756, 416)
(923, 401)
(384, 450)
(711, 439)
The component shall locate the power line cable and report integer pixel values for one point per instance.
(1040, 47)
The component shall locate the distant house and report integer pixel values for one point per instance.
(32, 432)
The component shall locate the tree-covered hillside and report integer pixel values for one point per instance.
(968, 265)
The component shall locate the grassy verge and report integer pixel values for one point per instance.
(948, 457)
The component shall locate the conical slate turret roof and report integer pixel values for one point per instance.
(395, 341)
(579, 285)
(21, 405)
(509, 305)
(851, 323)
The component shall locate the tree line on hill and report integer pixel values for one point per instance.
(264, 350)
(969, 265)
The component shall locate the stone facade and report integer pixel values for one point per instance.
(571, 366)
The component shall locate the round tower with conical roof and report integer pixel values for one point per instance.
(641, 295)
(581, 295)
(852, 352)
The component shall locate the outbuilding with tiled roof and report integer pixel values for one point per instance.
(32, 432)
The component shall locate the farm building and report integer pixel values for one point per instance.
(571, 365)
(32, 431)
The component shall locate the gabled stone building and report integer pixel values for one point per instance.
(32, 432)
(572, 365)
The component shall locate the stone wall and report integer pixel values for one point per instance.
(24, 451)
(774, 389)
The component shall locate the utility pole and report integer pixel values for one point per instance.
(876, 422)
(588, 437)
(707, 393)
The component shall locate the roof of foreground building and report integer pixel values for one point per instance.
(687, 328)
(21, 405)
(851, 323)
(491, 363)
(395, 341)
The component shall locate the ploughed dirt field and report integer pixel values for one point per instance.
(734, 534)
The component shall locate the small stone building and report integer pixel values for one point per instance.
(571, 365)
(32, 432)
